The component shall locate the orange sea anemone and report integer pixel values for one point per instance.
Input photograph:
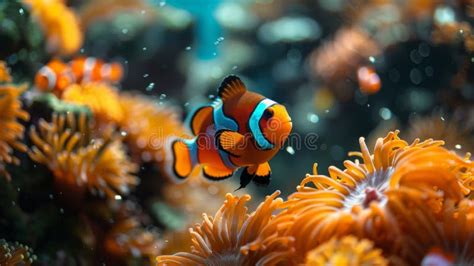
(15, 254)
(78, 160)
(426, 236)
(455, 136)
(128, 239)
(340, 58)
(4, 72)
(11, 131)
(101, 98)
(353, 201)
(348, 251)
(59, 24)
(229, 238)
(197, 196)
(147, 125)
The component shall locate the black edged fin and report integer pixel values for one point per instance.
(216, 174)
(230, 87)
(245, 178)
(199, 118)
(262, 180)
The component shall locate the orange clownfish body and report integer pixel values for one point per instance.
(56, 76)
(93, 69)
(240, 129)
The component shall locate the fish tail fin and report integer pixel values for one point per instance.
(182, 158)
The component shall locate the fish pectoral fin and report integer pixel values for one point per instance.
(258, 173)
(230, 87)
(200, 117)
(231, 142)
(216, 174)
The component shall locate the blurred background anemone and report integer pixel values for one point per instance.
(116, 78)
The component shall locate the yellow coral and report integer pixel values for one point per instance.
(11, 131)
(80, 161)
(59, 23)
(101, 98)
(228, 237)
(348, 251)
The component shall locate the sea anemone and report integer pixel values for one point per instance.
(229, 238)
(15, 254)
(11, 131)
(128, 239)
(425, 235)
(353, 201)
(455, 136)
(4, 72)
(101, 98)
(147, 126)
(197, 196)
(78, 160)
(346, 252)
(59, 24)
(350, 48)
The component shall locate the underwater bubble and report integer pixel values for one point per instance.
(429, 71)
(186, 104)
(290, 150)
(442, 118)
(150, 86)
(415, 76)
(385, 113)
(146, 75)
(118, 197)
(13, 203)
(211, 96)
(162, 3)
(372, 59)
(312, 117)
(123, 133)
(162, 96)
(21, 11)
(61, 210)
(143, 12)
(234, 67)
(188, 48)
(51, 196)
(144, 48)
(219, 40)
(124, 31)
(424, 49)
(444, 15)
(213, 190)
(415, 57)
(458, 146)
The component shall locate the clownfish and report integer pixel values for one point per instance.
(93, 69)
(55, 77)
(239, 129)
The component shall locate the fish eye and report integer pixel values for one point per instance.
(268, 113)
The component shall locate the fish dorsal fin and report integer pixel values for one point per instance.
(200, 117)
(230, 87)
